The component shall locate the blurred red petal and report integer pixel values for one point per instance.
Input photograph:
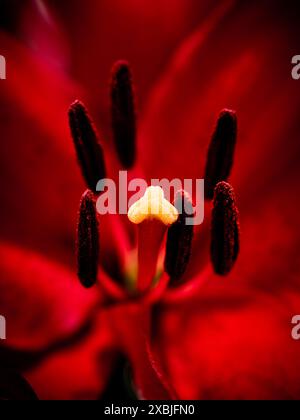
(101, 32)
(225, 63)
(41, 301)
(40, 181)
(231, 337)
(232, 346)
(131, 326)
(78, 372)
(40, 28)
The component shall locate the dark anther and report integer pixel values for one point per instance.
(88, 148)
(123, 114)
(221, 151)
(225, 229)
(179, 240)
(87, 241)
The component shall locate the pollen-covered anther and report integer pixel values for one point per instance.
(225, 229)
(221, 151)
(87, 240)
(180, 237)
(153, 205)
(88, 149)
(152, 214)
(123, 114)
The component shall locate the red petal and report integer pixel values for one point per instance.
(41, 301)
(224, 63)
(121, 30)
(131, 324)
(40, 182)
(230, 346)
(78, 372)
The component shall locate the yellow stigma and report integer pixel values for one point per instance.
(153, 205)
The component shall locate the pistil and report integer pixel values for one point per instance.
(153, 214)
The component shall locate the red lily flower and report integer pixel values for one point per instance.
(209, 337)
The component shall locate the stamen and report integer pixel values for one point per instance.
(87, 241)
(153, 214)
(221, 151)
(123, 113)
(225, 229)
(179, 240)
(88, 148)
